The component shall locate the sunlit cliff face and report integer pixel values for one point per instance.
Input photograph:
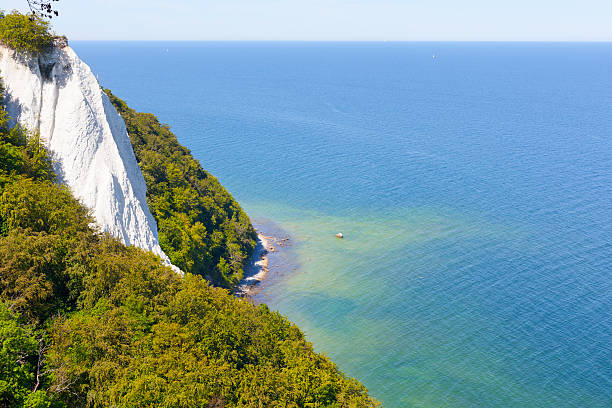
(57, 95)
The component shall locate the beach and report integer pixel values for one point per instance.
(259, 265)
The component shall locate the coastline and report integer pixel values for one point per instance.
(258, 267)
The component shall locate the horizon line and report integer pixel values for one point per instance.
(359, 41)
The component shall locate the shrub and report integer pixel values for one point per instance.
(25, 33)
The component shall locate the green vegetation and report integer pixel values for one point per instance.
(25, 33)
(201, 227)
(21, 348)
(21, 153)
(88, 322)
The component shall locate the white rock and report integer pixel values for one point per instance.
(58, 95)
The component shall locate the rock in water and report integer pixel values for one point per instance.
(58, 95)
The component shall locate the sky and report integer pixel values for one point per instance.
(332, 20)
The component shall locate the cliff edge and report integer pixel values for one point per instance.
(56, 94)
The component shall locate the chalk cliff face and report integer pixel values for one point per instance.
(58, 95)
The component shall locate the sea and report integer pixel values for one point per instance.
(472, 183)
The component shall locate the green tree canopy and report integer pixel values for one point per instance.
(25, 33)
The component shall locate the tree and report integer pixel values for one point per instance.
(21, 355)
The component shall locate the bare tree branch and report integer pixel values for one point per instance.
(42, 348)
(43, 8)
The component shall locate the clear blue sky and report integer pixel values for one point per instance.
(412, 20)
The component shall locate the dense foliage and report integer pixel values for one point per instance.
(201, 227)
(88, 322)
(25, 33)
(33, 230)
(21, 348)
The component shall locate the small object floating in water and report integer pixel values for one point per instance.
(339, 235)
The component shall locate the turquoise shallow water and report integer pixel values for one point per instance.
(474, 190)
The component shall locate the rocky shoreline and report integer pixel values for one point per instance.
(257, 268)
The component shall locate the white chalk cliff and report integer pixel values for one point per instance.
(58, 95)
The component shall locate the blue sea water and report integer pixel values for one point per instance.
(472, 182)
